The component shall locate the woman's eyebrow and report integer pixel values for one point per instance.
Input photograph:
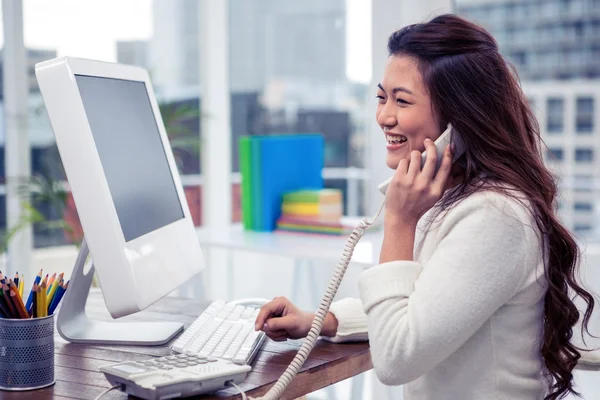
(398, 89)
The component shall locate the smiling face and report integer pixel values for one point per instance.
(404, 112)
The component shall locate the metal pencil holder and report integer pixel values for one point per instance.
(26, 353)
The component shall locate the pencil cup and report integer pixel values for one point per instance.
(26, 353)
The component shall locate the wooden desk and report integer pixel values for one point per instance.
(76, 365)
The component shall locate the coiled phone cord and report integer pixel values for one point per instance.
(311, 339)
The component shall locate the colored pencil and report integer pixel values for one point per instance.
(21, 286)
(9, 303)
(39, 302)
(51, 280)
(57, 298)
(3, 307)
(34, 312)
(52, 289)
(44, 305)
(55, 288)
(43, 300)
(18, 302)
(36, 281)
(45, 279)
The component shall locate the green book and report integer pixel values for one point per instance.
(245, 156)
(311, 196)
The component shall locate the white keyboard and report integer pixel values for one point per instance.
(225, 331)
(213, 352)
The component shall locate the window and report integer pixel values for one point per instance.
(583, 183)
(511, 11)
(583, 206)
(519, 58)
(555, 115)
(313, 86)
(584, 155)
(582, 228)
(564, 5)
(555, 154)
(497, 14)
(44, 42)
(578, 29)
(275, 88)
(585, 115)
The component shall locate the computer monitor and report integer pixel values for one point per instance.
(127, 190)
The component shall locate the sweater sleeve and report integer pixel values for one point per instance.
(418, 316)
(352, 321)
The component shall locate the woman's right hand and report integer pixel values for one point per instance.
(280, 319)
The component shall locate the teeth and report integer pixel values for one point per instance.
(396, 139)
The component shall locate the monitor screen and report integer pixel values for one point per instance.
(131, 152)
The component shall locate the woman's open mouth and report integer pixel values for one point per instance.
(395, 141)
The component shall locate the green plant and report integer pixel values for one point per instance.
(46, 190)
(39, 190)
(179, 119)
(29, 215)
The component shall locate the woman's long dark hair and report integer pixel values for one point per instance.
(472, 87)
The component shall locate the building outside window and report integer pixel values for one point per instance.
(553, 44)
(582, 228)
(555, 122)
(275, 88)
(584, 120)
(555, 154)
(583, 206)
(584, 155)
(583, 183)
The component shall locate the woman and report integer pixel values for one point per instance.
(471, 297)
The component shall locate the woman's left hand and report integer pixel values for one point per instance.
(414, 191)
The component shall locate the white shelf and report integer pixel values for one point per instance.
(295, 245)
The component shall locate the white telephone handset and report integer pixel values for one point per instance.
(276, 391)
(440, 144)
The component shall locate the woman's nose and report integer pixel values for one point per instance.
(386, 118)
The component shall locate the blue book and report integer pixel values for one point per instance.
(255, 186)
(286, 163)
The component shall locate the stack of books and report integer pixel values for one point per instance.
(312, 211)
(272, 166)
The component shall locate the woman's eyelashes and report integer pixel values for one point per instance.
(400, 101)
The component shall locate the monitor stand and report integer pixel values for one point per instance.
(74, 325)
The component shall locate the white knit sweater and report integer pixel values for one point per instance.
(464, 320)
